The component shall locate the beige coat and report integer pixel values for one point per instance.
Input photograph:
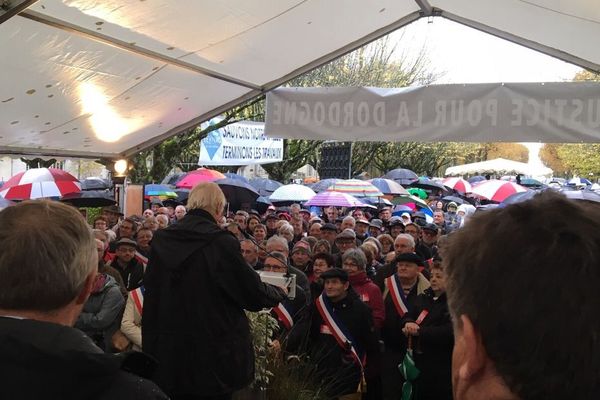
(131, 324)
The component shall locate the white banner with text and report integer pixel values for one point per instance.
(241, 143)
(494, 112)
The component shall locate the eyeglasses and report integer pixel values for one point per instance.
(350, 264)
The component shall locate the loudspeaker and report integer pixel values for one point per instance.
(335, 160)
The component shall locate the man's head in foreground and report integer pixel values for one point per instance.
(45, 275)
(523, 293)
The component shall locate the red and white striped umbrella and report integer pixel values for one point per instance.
(458, 184)
(497, 190)
(38, 183)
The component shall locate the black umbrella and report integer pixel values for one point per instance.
(457, 200)
(89, 198)
(238, 193)
(262, 204)
(95, 184)
(265, 187)
(172, 179)
(403, 176)
(182, 195)
(428, 184)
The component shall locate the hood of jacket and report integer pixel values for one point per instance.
(173, 245)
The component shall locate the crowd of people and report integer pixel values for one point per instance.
(370, 286)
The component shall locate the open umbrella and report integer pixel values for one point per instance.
(408, 200)
(93, 183)
(581, 195)
(457, 200)
(157, 190)
(172, 179)
(292, 193)
(89, 198)
(403, 176)
(458, 184)
(265, 187)
(337, 199)
(39, 183)
(5, 203)
(195, 177)
(497, 190)
(418, 192)
(580, 182)
(428, 184)
(239, 177)
(356, 188)
(237, 192)
(377, 201)
(388, 186)
(475, 179)
(531, 183)
(323, 184)
(409, 371)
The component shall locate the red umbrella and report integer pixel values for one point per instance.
(38, 183)
(200, 175)
(458, 184)
(497, 190)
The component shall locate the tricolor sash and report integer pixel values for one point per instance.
(142, 259)
(284, 316)
(338, 330)
(421, 317)
(395, 289)
(138, 298)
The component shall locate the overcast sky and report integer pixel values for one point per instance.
(470, 56)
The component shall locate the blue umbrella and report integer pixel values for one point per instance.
(158, 190)
(239, 177)
(265, 187)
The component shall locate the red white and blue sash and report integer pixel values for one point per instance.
(142, 259)
(137, 295)
(338, 330)
(395, 289)
(284, 316)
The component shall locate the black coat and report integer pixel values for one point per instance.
(433, 347)
(341, 375)
(197, 288)
(42, 360)
(391, 333)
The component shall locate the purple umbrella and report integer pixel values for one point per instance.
(336, 199)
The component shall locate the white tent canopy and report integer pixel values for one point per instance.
(498, 166)
(110, 78)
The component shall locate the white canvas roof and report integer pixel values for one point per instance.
(498, 166)
(109, 78)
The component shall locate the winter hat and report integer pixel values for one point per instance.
(302, 246)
